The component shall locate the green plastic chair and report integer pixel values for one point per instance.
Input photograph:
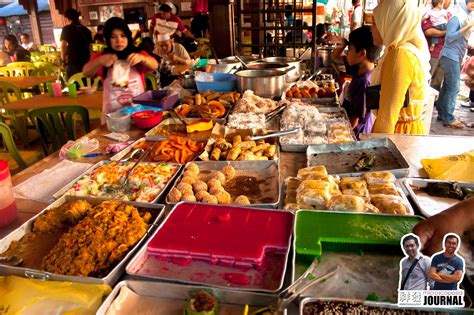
(21, 159)
(82, 80)
(53, 57)
(98, 47)
(51, 122)
(46, 70)
(40, 64)
(150, 78)
(35, 55)
(7, 72)
(22, 68)
(47, 48)
(8, 93)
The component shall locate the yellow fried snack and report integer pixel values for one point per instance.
(174, 195)
(97, 242)
(242, 200)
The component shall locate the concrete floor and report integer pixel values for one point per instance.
(461, 113)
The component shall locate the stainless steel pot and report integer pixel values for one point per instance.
(264, 83)
(246, 59)
(293, 75)
(222, 66)
(324, 56)
(267, 66)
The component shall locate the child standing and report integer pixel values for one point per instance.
(359, 60)
(438, 18)
(120, 52)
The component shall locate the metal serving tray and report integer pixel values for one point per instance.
(359, 147)
(384, 306)
(64, 190)
(113, 275)
(180, 293)
(437, 204)
(152, 135)
(339, 111)
(270, 166)
(124, 153)
(141, 267)
(398, 186)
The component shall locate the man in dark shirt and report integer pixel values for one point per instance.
(447, 267)
(14, 50)
(76, 40)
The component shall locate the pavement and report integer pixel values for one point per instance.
(461, 113)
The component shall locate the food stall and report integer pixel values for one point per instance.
(229, 203)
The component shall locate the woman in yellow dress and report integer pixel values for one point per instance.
(404, 66)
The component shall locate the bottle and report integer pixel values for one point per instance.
(8, 208)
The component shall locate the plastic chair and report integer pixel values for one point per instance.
(50, 122)
(47, 48)
(98, 47)
(150, 78)
(40, 64)
(22, 68)
(46, 70)
(8, 93)
(7, 72)
(21, 159)
(35, 55)
(54, 58)
(82, 80)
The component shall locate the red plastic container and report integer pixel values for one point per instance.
(147, 119)
(8, 208)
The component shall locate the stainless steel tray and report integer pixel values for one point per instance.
(327, 110)
(180, 293)
(436, 204)
(113, 275)
(122, 154)
(152, 136)
(140, 267)
(383, 306)
(361, 146)
(64, 190)
(398, 186)
(270, 166)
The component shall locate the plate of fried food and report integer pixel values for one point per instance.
(245, 183)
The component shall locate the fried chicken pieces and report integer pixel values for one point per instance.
(100, 240)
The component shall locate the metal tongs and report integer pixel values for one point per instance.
(175, 115)
(302, 283)
(141, 158)
(276, 134)
(274, 113)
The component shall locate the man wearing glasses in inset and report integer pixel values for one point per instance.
(414, 268)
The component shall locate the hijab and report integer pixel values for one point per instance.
(111, 25)
(399, 24)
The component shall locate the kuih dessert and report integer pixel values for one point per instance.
(228, 236)
(202, 303)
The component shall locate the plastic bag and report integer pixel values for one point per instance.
(452, 167)
(120, 73)
(28, 296)
(78, 148)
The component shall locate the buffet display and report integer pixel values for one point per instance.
(223, 246)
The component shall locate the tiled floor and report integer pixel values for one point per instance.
(462, 113)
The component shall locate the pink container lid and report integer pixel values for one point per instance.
(4, 170)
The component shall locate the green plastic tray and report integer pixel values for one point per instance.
(340, 231)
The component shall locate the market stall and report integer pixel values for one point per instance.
(228, 201)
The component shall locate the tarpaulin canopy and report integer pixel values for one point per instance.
(16, 8)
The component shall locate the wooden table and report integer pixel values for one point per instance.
(89, 101)
(413, 148)
(28, 82)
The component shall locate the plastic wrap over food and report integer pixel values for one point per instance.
(120, 73)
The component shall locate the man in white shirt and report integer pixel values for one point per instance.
(26, 43)
(356, 20)
(170, 51)
(414, 268)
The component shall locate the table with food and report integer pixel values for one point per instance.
(225, 200)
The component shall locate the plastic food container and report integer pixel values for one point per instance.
(7, 202)
(147, 119)
(88, 89)
(118, 121)
(216, 82)
(160, 98)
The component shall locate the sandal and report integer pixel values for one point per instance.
(455, 124)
